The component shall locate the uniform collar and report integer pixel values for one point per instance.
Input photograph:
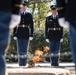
(54, 16)
(24, 12)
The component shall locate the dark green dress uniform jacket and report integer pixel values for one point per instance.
(10, 5)
(27, 30)
(53, 31)
(67, 9)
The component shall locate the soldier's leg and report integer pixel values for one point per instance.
(51, 43)
(25, 50)
(57, 47)
(4, 35)
(22, 50)
(3, 46)
(73, 40)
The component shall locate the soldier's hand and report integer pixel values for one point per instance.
(30, 38)
(47, 40)
(61, 40)
(15, 38)
(15, 20)
(63, 23)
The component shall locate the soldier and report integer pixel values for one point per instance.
(67, 18)
(54, 33)
(24, 32)
(9, 14)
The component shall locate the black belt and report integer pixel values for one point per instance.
(24, 26)
(54, 29)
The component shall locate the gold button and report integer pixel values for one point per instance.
(54, 29)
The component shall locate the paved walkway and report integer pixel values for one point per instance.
(43, 64)
(68, 66)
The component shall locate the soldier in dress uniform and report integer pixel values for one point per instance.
(9, 16)
(24, 33)
(67, 18)
(54, 33)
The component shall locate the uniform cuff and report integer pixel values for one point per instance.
(31, 35)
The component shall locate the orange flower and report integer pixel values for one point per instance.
(46, 49)
(38, 52)
(37, 59)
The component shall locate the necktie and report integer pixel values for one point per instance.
(23, 13)
(54, 17)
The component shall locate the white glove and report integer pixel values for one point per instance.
(30, 38)
(15, 20)
(61, 40)
(15, 38)
(63, 23)
(47, 40)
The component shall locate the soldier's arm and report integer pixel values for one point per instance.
(16, 4)
(15, 17)
(31, 25)
(46, 28)
(14, 31)
(61, 32)
(61, 8)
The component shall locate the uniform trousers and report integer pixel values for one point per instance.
(22, 45)
(4, 37)
(73, 40)
(54, 50)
